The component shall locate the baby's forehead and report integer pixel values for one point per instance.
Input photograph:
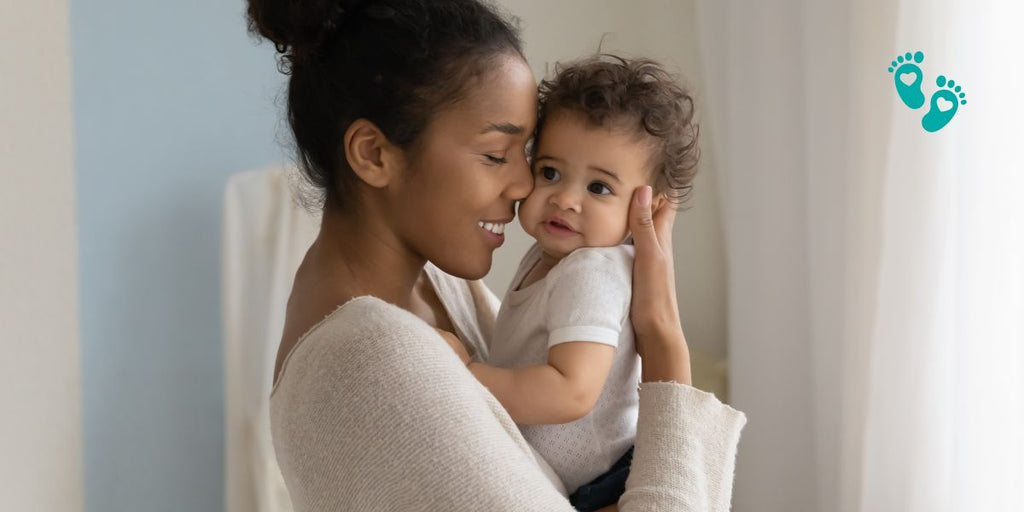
(625, 147)
(623, 126)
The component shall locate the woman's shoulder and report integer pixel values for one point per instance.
(364, 317)
(365, 334)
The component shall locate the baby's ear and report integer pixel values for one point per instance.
(657, 202)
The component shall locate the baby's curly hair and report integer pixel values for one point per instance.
(611, 90)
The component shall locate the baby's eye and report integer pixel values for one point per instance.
(549, 173)
(599, 188)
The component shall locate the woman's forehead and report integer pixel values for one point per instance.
(504, 115)
(503, 97)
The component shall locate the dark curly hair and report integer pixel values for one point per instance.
(610, 90)
(392, 62)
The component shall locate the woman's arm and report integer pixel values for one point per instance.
(685, 451)
(686, 441)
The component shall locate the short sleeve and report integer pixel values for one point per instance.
(589, 295)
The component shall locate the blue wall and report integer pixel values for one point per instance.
(170, 98)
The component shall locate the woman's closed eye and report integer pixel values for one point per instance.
(496, 160)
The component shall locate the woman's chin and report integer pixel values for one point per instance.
(467, 269)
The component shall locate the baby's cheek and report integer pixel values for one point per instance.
(624, 220)
(614, 228)
(623, 231)
(527, 213)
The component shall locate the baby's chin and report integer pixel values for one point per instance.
(558, 250)
(561, 250)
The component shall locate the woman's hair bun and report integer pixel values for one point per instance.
(298, 27)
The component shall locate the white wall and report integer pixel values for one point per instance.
(666, 31)
(40, 435)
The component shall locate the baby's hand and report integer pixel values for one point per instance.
(456, 345)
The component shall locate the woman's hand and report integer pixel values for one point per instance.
(456, 344)
(654, 311)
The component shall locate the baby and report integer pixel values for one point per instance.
(562, 360)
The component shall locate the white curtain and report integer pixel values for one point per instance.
(875, 269)
(265, 235)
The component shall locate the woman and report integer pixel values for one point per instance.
(412, 118)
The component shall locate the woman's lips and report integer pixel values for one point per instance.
(496, 239)
(488, 229)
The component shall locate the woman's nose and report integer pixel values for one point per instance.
(521, 182)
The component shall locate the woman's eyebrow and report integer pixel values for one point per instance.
(508, 128)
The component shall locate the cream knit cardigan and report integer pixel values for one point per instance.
(374, 412)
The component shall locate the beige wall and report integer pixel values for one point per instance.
(664, 30)
(40, 434)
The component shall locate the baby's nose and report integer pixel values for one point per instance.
(566, 199)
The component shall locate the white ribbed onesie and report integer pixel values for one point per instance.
(584, 297)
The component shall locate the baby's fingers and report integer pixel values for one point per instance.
(455, 343)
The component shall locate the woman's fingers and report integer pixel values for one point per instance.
(650, 223)
(641, 222)
(651, 226)
(654, 311)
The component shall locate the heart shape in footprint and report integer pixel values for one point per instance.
(908, 78)
(944, 104)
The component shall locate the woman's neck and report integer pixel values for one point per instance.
(358, 255)
(349, 258)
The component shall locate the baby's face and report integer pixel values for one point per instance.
(584, 178)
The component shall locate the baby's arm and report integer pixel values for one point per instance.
(563, 390)
(585, 313)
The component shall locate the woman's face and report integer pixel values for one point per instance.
(459, 190)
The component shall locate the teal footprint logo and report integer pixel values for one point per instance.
(944, 104)
(908, 77)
